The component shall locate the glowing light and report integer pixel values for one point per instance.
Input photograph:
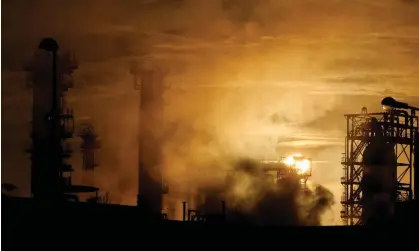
(298, 162)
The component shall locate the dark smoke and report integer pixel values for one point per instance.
(252, 198)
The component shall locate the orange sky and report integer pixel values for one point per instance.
(246, 78)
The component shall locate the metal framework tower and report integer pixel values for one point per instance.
(49, 73)
(399, 129)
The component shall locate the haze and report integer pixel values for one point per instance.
(251, 78)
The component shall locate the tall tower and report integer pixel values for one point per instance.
(49, 73)
(379, 181)
(150, 85)
(377, 164)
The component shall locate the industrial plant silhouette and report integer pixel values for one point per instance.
(378, 146)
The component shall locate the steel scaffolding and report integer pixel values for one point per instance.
(399, 129)
(279, 170)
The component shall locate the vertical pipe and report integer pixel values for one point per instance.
(54, 130)
(184, 211)
(54, 81)
(416, 167)
(409, 122)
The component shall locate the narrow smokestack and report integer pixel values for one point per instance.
(184, 211)
(150, 188)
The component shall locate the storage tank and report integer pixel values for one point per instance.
(379, 182)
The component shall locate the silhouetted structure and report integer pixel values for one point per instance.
(264, 179)
(416, 167)
(297, 166)
(150, 84)
(89, 146)
(389, 104)
(52, 124)
(377, 163)
(375, 143)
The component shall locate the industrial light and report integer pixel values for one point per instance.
(299, 162)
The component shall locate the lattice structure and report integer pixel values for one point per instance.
(89, 146)
(399, 128)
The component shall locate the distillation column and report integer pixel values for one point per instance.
(150, 188)
(46, 70)
(379, 182)
(49, 73)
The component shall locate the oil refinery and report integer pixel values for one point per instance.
(380, 163)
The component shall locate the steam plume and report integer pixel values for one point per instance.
(252, 198)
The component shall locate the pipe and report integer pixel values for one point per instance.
(184, 211)
(54, 122)
(55, 133)
(416, 167)
(54, 82)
